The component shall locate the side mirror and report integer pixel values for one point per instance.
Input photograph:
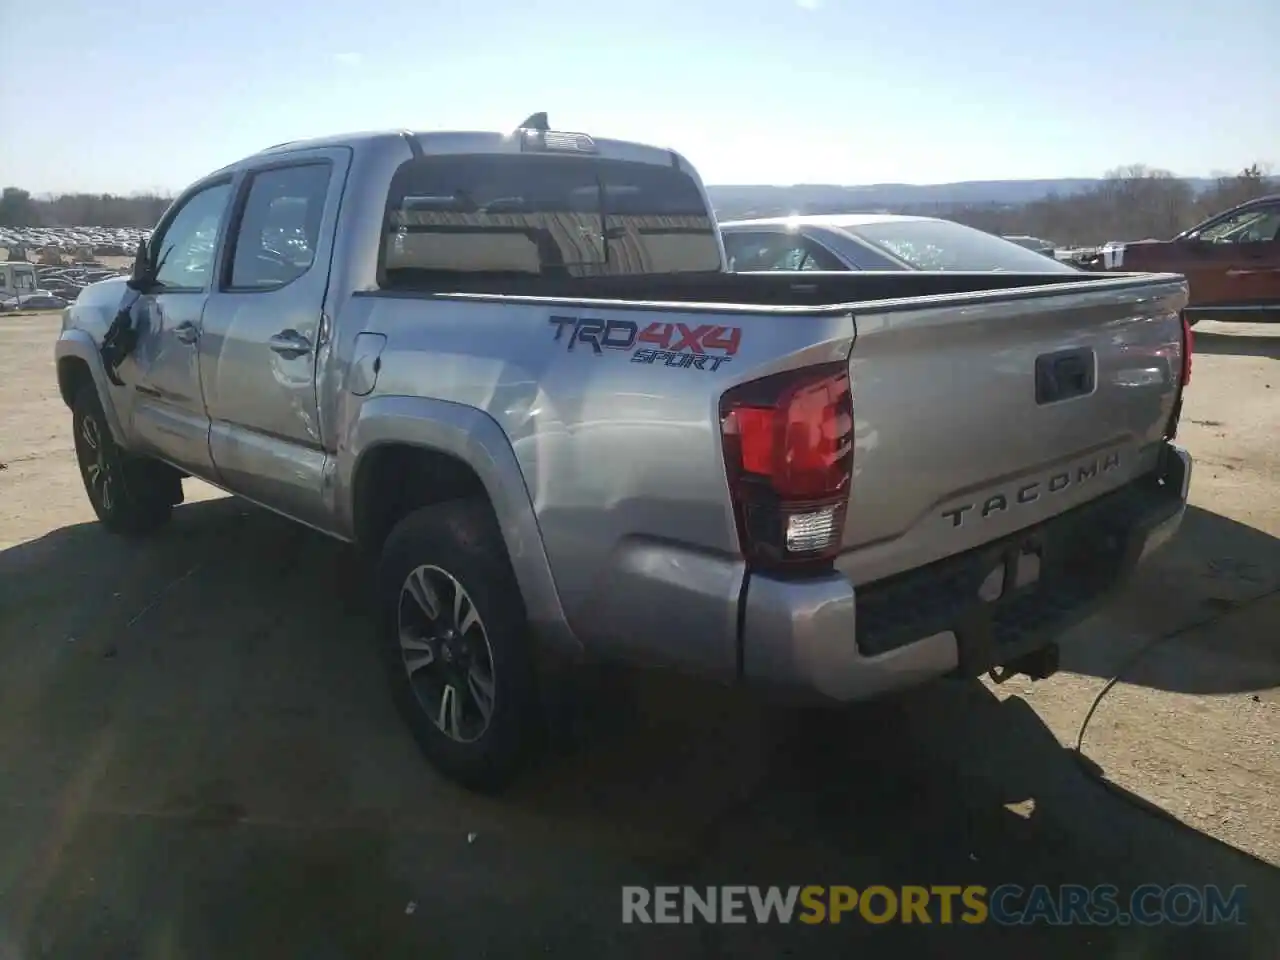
(140, 278)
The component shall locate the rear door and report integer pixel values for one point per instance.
(264, 327)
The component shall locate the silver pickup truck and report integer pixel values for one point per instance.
(513, 369)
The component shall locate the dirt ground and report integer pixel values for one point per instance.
(198, 759)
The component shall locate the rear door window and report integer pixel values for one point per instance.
(279, 227)
(555, 216)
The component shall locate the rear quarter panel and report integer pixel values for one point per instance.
(618, 447)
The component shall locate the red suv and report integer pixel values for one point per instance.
(1231, 262)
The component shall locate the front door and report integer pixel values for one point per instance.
(263, 333)
(168, 414)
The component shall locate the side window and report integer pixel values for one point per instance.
(863, 257)
(793, 258)
(776, 251)
(186, 244)
(762, 251)
(1259, 225)
(817, 257)
(279, 229)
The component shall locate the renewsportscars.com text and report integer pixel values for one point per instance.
(1008, 904)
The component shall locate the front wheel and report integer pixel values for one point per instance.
(456, 644)
(130, 495)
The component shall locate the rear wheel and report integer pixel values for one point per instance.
(456, 644)
(130, 495)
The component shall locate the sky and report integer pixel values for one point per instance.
(141, 95)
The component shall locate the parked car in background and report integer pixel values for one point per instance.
(40, 300)
(874, 241)
(17, 279)
(1231, 262)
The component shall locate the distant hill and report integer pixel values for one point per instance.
(735, 202)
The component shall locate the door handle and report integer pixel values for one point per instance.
(186, 332)
(1064, 374)
(290, 344)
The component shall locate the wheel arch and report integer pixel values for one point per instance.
(78, 364)
(406, 452)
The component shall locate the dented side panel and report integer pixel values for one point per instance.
(258, 363)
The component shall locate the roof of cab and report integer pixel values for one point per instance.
(466, 141)
(455, 142)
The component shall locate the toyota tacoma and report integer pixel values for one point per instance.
(514, 370)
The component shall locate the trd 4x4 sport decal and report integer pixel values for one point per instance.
(697, 346)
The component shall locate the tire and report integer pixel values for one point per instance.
(132, 496)
(430, 553)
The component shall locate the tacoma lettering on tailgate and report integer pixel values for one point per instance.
(1034, 490)
(681, 345)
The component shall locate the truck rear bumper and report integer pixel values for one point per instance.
(824, 636)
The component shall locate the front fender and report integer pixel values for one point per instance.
(80, 345)
(475, 438)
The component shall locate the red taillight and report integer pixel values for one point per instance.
(1184, 378)
(788, 449)
(1188, 345)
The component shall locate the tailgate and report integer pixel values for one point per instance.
(976, 417)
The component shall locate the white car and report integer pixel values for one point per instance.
(875, 241)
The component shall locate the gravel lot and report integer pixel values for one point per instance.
(197, 758)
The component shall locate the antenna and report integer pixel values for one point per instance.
(535, 121)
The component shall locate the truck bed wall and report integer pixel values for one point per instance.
(807, 288)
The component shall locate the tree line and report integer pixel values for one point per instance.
(1130, 203)
(18, 208)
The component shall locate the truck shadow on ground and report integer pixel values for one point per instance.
(219, 678)
(1236, 344)
(1191, 608)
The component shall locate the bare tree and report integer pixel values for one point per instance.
(1134, 202)
(103, 210)
(17, 209)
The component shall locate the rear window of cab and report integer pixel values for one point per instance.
(537, 215)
